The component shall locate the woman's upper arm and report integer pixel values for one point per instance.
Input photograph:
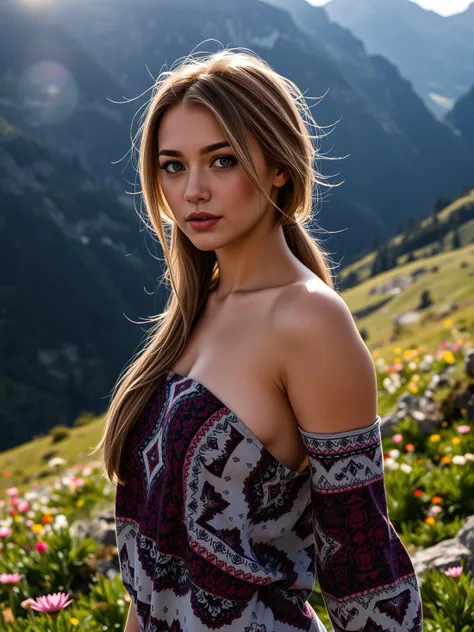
(328, 372)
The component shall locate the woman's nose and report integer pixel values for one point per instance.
(196, 188)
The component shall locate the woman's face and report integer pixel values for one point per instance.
(197, 178)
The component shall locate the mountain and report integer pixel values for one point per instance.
(71, 279)
(461, 118)
(74, 261)
(54, 87)
(432, 51)
(388, 133)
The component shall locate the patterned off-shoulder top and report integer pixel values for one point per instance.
(214, 533)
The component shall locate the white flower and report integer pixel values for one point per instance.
(412, 365)
(459, 460)
(394, 453)
(60, 521)
(406, 468)
(428, 358)
(391, 464)
(469, 456)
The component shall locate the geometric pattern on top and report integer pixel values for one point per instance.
(214, 533)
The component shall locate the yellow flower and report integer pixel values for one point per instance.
(449, 357)
(397, 351)
(435, 438)
(408, 353)
(37, 528)
(456, 440)
(415, 378)
(413, 388)
(74, 621)
(449, 322)
(72, 488)
(430, 520)
(17, 518)
(80, 502)
(446, 459)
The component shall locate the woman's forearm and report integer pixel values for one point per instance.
(132, 624)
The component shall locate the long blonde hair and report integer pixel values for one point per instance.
(245, 94)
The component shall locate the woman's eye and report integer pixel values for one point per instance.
(170, 162)
(232, 159)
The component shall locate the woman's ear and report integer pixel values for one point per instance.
(281, 177)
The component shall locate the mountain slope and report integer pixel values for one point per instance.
(389, 134)
(433, 52)
(71, 279)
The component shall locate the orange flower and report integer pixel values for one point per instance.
(436, 500)
(446, 459)
(430, 520)
(410, 447)
(6, 473)
(47, 518)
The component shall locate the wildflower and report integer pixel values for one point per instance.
(435, 510)
(37, 528)
(435, 438)
(413, 388)
(446, 459)
(47, 518)
(410, 447)
(430, 520)
(11, 578)
(406, 468)
(417, 493)
(74, 621)
(41, 547)
(464, 429)
(11, 491)
(394, 453)
(80, 502)
(459, 460)
(27, 603)
(397, 438)
(391, 464)
(51, 603)
(436, 500)
(448, 323)
(456, 440)
(453, 571)
(5, 532)
(449, 357)
(469, 456)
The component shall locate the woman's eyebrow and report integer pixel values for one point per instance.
(204, 150)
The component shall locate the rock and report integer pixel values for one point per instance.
(448, 552)
(469, 363)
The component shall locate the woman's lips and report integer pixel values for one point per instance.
(204, 224)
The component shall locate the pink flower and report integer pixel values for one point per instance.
(12, 578)
(29, 522)
(11, 491)
(41, 547)
(5, 532)
(454, 571)
(443, 345)
(463, 429)
(27, 603)
(397, 438)
(23, 506)
(51, 603)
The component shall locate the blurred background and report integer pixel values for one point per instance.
(78, 271)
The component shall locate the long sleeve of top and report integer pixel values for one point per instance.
(366, 576)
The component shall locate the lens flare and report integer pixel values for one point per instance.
(48, 92)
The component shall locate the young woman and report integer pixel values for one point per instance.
(244, 437)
